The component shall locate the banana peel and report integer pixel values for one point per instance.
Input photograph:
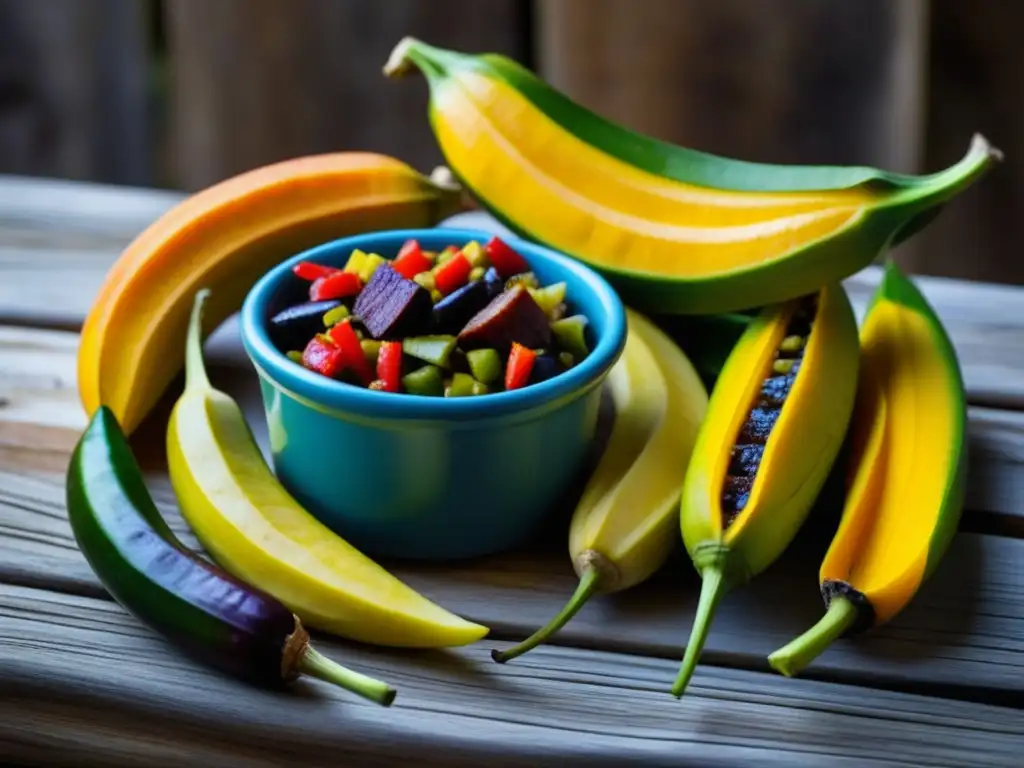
(907, 473)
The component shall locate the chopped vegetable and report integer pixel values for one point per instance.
(464, 385)
(411, 262)
(520, 363)
(545, 367)
(452, 274)
(356, 262)
(485, 365)
(566, 359)
(371, 348)
(323, 356)
(447, 254)
(456, 309)
(291, 328)
(504, 258)
(549, 297)
(335, 316)
(431, 349)
(352, 352)
(307, 270)
(526, 279)
(474, 253)
(476, 274)
(513, 316)
(570, 333)
(294, 355)
(427, 380)
(425, 279)
(339, 285)
(372, 262)
(389, 365)
(391, 306)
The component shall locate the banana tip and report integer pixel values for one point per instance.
(398, 62)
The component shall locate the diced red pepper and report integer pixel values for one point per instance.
(411, 261)
(323, 357)
(520, 363)
(453, 274)
(338, 285)
(307, 270)
(351, 351)
(504, 259)
(389, 365)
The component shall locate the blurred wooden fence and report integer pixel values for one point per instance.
(182, 93)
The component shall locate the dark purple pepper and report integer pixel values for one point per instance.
(545, 367)
(293, 327)
(511, 316)
(392, 307)
(455, 310)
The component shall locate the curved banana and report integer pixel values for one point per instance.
(776, 421)
(255, 530)
(623, 527)
(225, 238)
(674, 230)
(908, 469)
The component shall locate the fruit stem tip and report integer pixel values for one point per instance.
(793, 657)
(315, 664)
(195, 368)
(398, 63)
(589, 582)
(713, 587)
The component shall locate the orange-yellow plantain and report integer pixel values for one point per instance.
(224, 238)
(774, 426)
(907, 472)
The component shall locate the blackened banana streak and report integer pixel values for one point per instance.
(764, 413)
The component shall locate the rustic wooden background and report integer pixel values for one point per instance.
(182, 93)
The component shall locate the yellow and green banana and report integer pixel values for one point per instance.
(775, 423)
(675, 230)
(908, 465)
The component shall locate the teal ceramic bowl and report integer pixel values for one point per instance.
(420, 477)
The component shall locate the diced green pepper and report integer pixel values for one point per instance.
(566, 359)
(570, 332)
(475, 253)
(436, 295)
(425, 280)
(427, 380)
(294, 355)
(477, 273)
(549, 297)
(335, 316)
(528, 280)
(464, 385)
(430, 349)
(485, 365)
(373, 260)
(371, 348)
(356, 262)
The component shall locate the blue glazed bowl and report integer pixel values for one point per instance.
(421, 477)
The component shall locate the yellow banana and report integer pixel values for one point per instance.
(624, 526)
(254, 529)
(224, 238)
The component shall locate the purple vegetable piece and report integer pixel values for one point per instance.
(511, 316)
(391, 307)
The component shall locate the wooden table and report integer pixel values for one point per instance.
(83, 683)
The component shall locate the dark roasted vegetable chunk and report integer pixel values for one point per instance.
(513, 316)
(391, 306)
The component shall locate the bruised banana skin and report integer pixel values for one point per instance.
(224, 238)
(624, 526)
(775, 423)
(258, 532)
(907, 471)
(675, 230)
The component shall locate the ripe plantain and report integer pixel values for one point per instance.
(675, 230)
(624, 526)
(224, 238)
(775, 423)
(255, 530)
(907, 471)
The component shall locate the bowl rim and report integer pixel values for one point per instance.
(338, 396)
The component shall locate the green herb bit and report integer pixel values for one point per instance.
(427, 380)
(335, 316)
(435, 350)
(570, 333)
(485, 365)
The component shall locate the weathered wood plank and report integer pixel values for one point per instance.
(46, 227)
(85, 684)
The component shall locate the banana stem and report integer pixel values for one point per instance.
(711, 592)
(793, 657)
(319, 666)
(589, 582)
(937, 188)
(195, 368)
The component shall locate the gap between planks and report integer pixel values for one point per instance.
(133, 701)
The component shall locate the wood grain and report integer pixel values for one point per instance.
(85, 684)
